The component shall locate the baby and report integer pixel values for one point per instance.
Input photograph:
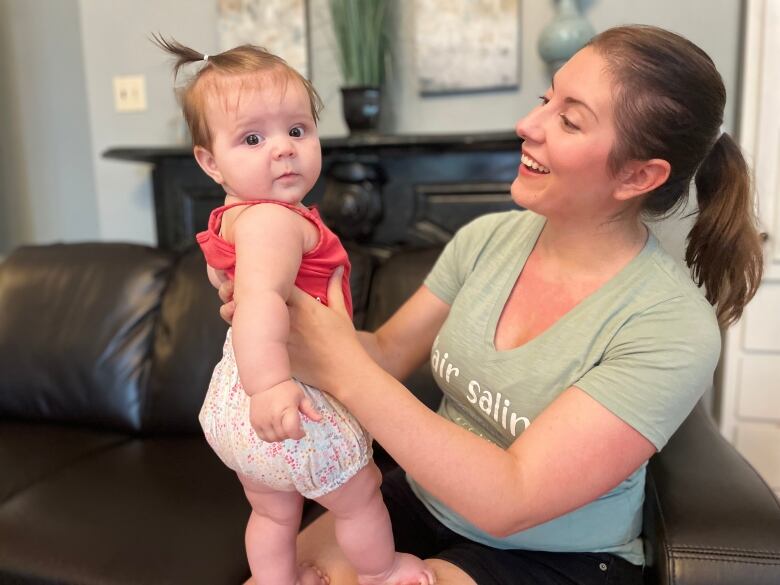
(253, 121)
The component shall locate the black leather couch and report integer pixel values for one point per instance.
(105, 479)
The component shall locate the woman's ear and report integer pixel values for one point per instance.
(206, 161)
(640, 177)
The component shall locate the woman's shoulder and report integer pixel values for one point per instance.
(655, 298)
(665, 292)
(673, 277)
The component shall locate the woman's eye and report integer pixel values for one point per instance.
(297, 132)
(252, 140)
(544, 100)
(567, 123)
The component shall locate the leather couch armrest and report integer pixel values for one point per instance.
(709, 517)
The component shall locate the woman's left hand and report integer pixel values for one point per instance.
(323, 344)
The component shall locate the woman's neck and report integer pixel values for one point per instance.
(591, 248)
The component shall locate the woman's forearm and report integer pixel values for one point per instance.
(403, 343)
(397, 359)
(370, 343)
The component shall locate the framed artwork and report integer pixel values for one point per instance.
(278, 25)
(466, 45)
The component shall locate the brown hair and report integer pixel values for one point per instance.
(240, 62)
(668, 104)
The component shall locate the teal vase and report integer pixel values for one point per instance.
(565, 35)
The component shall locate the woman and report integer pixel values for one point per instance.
(568, 345)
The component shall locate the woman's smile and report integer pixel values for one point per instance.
(528, 163)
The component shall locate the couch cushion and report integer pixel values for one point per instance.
(363, 263)
(31, 452)
(94, 309)
(151, 511)
(187, 345)
(394, 282)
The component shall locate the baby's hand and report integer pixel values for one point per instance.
(216, 277)
(225, 292)
(274, 412)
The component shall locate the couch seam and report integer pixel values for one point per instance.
(693, 548)
(51, 472)
(703, 555)
(174, 260)
(726, 560)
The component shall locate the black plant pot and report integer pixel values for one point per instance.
(361, 107)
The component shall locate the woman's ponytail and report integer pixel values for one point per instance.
(724, 247)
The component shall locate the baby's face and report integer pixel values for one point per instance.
(264, 141)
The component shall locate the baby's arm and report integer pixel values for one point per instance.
(269, 241)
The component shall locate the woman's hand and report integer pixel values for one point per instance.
(323, 345)
(228, 307)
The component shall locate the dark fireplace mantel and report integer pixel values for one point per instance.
(379, 190)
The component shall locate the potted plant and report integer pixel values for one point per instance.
(361, 37)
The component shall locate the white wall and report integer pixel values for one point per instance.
(47, 189)
(113, 35)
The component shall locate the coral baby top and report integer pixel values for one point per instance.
(317, 265)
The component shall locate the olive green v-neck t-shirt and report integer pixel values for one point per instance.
(644, 345)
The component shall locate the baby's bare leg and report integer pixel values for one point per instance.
(363, 531)
(271, 533)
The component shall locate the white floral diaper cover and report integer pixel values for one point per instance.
(332, 451)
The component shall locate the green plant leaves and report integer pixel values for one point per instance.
(359, 26)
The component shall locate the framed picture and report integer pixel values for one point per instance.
(466, 45)
(281, 26)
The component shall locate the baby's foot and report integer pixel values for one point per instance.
(406, 570)
(309, 574)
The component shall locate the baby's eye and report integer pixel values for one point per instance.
(297, 132)
(252, 140)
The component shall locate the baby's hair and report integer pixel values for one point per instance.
(240, 62)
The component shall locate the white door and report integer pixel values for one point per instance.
(750, 405)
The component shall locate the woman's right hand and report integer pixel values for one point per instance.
(228, 307)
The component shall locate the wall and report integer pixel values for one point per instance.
(712, 24)
(47, 189)
(114, 42)
(115, 37)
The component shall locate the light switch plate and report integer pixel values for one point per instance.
(130, 93)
